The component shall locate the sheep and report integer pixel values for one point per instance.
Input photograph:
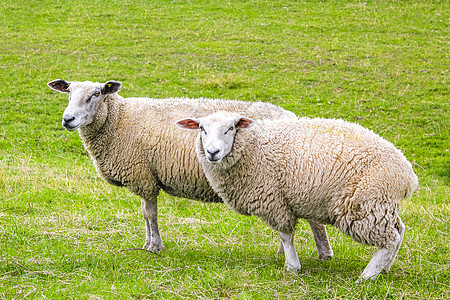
(131, 145)
(326, 170)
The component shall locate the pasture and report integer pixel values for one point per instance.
(65, 233)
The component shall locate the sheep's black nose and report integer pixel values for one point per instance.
(68, 119)
(213, 151)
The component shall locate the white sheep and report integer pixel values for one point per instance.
(134, 143)
(329, 171)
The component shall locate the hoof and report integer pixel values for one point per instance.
(293, 269)
(326, 256)
(364, 279)
(153, 247)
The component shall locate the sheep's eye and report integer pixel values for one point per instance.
(96, 94)
(229, 129)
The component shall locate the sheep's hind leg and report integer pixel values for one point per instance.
(383, 258)
(321, 238)
(379, 261)
(401, 230)
(153, 241)
(292, 261)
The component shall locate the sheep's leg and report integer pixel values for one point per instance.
(379, 261)
(321, 238)
(292, 262)
(401, 231)
(153, 241)
(384, 257)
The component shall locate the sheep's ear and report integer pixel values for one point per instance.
(244, 123)
(111, 87)
(59, 85)
(188, 124)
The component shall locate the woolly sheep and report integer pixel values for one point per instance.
(329, 171)
(131, 145)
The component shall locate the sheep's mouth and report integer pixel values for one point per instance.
(71, 127)
(214, 160)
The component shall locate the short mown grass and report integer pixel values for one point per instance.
(63, 231)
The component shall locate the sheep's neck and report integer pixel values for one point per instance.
(96, 136)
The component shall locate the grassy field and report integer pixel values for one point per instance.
(382, 64)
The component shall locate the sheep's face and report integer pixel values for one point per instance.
(217, 134)
(84, 100)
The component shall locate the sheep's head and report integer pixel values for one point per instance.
(217, 134)
(84, 100)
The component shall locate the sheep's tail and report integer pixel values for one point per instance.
(412, 185)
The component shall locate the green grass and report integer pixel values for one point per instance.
(382, 64)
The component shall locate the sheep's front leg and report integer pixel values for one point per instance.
(292, 262)
(153, 241)
(321, 238)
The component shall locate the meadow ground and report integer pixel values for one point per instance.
(382, 64)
